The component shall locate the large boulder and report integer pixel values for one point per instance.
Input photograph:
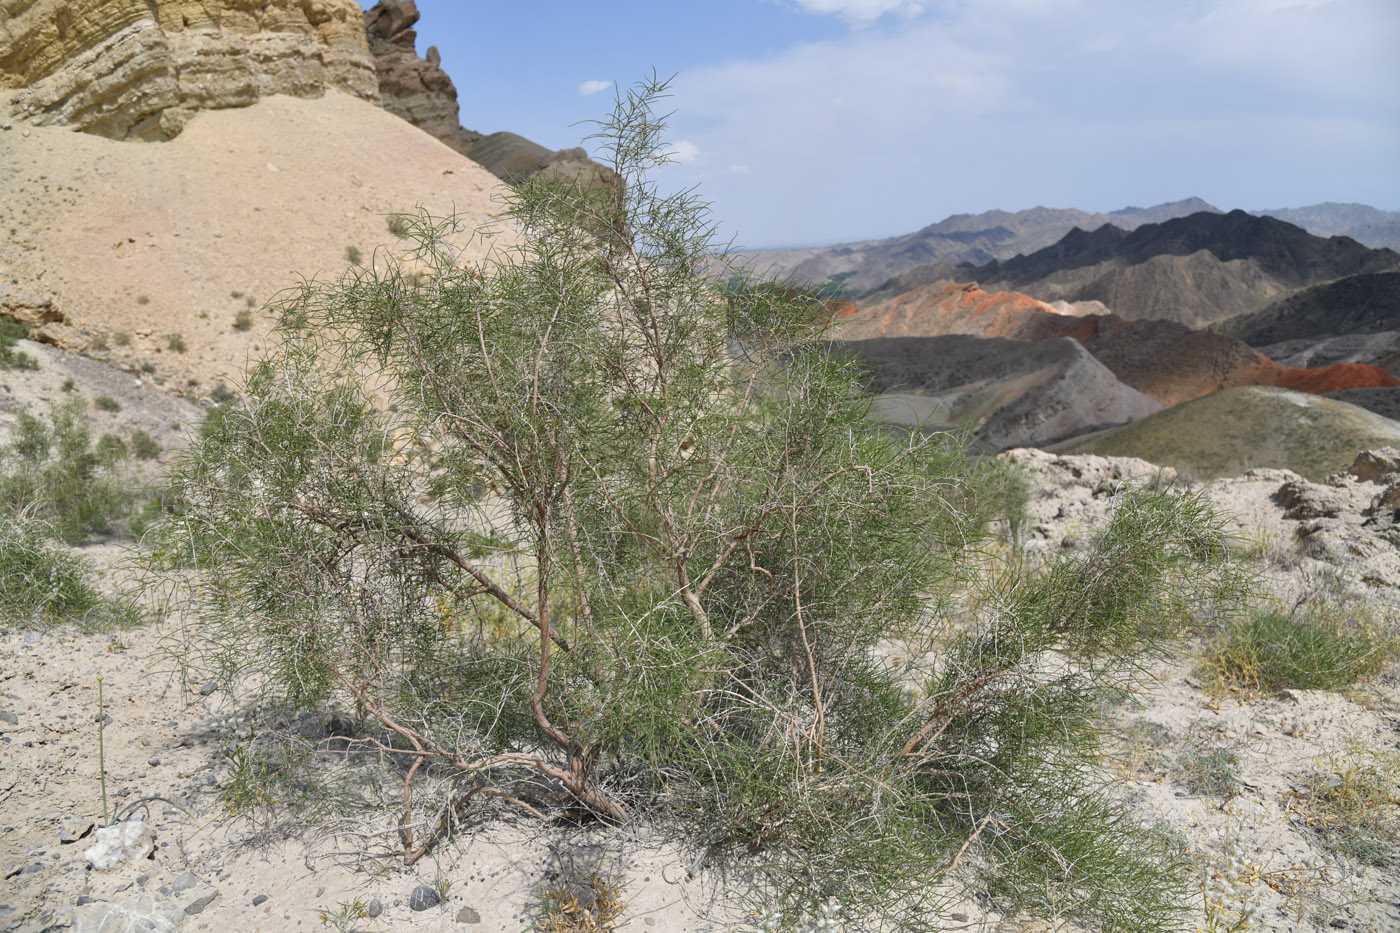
(416, 89)
(139, 68)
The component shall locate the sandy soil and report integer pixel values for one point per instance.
(153, 239)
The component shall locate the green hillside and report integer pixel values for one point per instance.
(1226, 433)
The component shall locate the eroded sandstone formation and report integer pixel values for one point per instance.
(416, 89)
(419, 91)
(139, 68)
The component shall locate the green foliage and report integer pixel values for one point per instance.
(53, 471)
(106, 403)
(243, 320)
(43, 584)
(399, 225)
(143, 446)
(1325, 649)
(176, 342)
(581, 512)
(11, 332)
(353, 255)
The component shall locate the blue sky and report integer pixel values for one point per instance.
(817, 121)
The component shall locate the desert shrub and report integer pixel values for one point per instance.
(148, 367)
(579, 519)
(52, 470)
(399, 225)
(243, 320)
(121, 338)
(353, 255)
(44, 584)
(106, 403)
(176, 342)
(1324, 649)
(11, 332)
(143, 446)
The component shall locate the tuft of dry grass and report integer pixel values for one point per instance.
(1353, 801)
(591, 906)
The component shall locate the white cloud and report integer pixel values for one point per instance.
(1012, 103)
(683, 151)
(593, 87)
(862, 12)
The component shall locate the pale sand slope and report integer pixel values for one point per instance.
(247, 200)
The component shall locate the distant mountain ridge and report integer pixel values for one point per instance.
(1362, 222)
(961, 238)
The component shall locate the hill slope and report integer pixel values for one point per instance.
(149, 240)
(1243, 428)
(1013, 393)
(1166, 361)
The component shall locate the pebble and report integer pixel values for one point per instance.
(184, 882)
(423, 897)
(260, 900)
(208, 687)
(9, 717)
(74, 828)
(467, 915)
(153, 761)
(374, 909)
(200, 904)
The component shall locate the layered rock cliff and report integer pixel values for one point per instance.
(139, 68)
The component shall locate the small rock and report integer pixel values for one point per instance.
(467, 915)
(1373, 465)
(260, 900)
(125, 842)
(9, 717)
(153, 761)
(208, 687)
(83, 900)
(145, 912)
(184, 882)
(423, 897)
(374, 909)
(1338, 924)
(37, 867)
(200, 904)
(33, 638)
(74, 828)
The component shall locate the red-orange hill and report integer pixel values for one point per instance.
(1164, 360)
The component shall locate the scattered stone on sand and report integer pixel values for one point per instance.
(120, 844)
(423, 897)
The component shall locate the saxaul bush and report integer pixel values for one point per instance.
(586, 531)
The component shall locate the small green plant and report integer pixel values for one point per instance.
(148, 367)
(101, 747)
(143, 299)
(594, 905)
(121, 338)
(243, 320)
(399, 225)
(11, 332)
(1325, 649)
(353, 255)
(143, 446)
(68, 385)
(222, 394)
(1211, 772)
(176, 342)
(343, 918)
(106, 403)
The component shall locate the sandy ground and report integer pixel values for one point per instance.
(152, 239)
(159, 742)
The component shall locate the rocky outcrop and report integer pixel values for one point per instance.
(419, 91)
(416, 89)
(140, 68)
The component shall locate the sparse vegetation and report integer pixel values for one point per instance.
(600, 525)
(399, 225)
(11, 332)
(44, 584)
(53, 472)
(176, 342)
(106, 403)
(243, 320)
(1325, 648)
(121, 338)
(353, 255)
(148, 367)
(1353, 800)
(143, 299)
